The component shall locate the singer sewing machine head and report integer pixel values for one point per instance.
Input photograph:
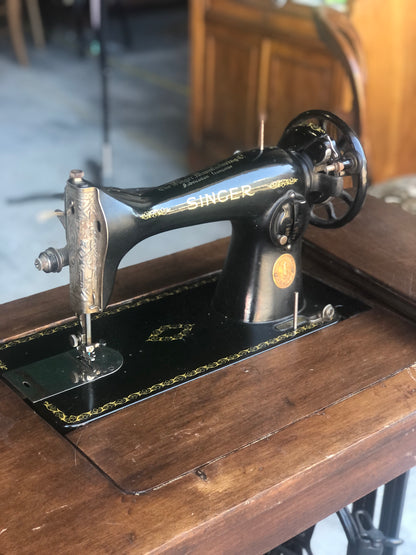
(317, 174)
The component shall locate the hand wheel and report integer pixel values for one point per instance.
(339, 172)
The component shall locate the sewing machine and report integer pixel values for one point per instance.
(317, 174)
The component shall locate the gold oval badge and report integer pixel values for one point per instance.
(284, 271)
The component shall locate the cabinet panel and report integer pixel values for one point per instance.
(231, 77)
(297, 80)
(388, 39)
(272, 64)
(265, 59)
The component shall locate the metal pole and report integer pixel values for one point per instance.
(99, 22)
(392, 511)
(366, 503)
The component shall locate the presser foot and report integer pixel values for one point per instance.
(328, 315)
(59, 373)
(87, 352)
(95, 362)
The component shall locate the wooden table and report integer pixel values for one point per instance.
(242, 459)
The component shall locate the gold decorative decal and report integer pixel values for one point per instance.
(112, 310)
(284, 271)
(224, 195)
(43, 333)
(316, 127)
(202, 176)
(79, 418)
(154, 213)
(279, 183)
(3, 366)
(218, 197)
(182, 331)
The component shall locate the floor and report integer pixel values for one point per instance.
(50, 117)
(50, 122)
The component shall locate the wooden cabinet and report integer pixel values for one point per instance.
(387, 33)
(297, 78)
(251, 59)
(230, 85)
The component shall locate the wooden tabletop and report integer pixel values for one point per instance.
(236, 461)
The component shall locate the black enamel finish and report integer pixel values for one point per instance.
(311, 133)
(165, 340)
(268, 195)
(247, 189)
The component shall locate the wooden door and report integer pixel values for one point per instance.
(248, 61)
(295, 78)
(231, 76)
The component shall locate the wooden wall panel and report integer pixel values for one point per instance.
(250, 60)
(386, 31)
(296, 82)
(231, 58)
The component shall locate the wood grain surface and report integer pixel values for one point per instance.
(243, 458)
(54, 500)
(377, 251)
(211, 417)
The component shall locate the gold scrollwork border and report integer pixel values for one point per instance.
(112, 310)
(180, 331)
(180, 378)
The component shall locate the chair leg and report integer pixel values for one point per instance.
(14, 20)
(35, 23)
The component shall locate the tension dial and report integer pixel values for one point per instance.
(289, 220)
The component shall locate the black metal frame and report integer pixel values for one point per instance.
(363, 537)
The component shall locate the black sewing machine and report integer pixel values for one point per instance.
(317, 174)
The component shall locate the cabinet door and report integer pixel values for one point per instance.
(241, 70)
(230, 87)
(295, 78)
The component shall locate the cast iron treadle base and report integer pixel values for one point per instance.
(165, 339)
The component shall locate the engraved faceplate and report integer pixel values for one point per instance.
(86, 231)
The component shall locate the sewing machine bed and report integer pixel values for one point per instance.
(166, 339)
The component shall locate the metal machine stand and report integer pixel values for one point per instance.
(363, 537)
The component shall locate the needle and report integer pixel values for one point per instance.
(261, 132)
(295, 311)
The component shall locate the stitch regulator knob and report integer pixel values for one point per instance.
(289, 220)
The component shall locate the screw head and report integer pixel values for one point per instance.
(74, 340)
(38, 263)
(76, 175)
(43, 262)
(328, 313)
